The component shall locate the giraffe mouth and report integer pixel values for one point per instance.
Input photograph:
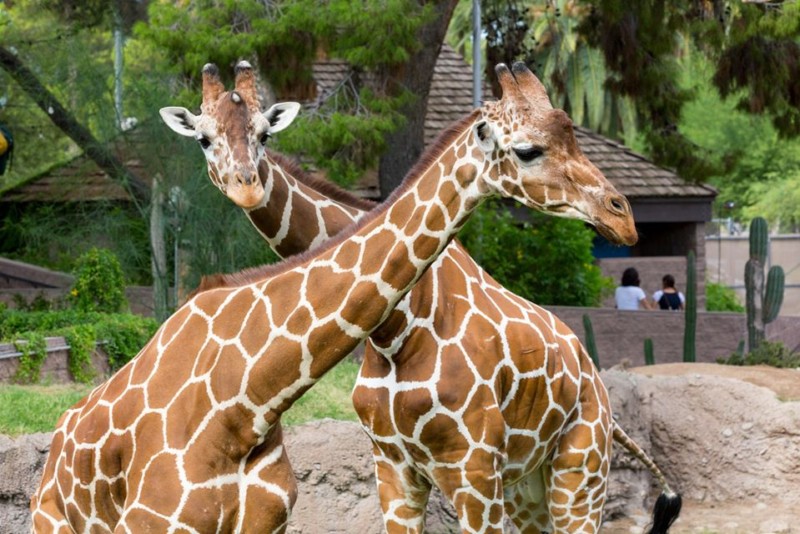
(627, 236)
(246, 196)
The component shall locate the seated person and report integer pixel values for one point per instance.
(669, 298)
(629, 296)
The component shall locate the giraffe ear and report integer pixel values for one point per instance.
(281, 115)
(180, 120)
(484, 135)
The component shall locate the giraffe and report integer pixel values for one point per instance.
(442, 319)
(187, 436)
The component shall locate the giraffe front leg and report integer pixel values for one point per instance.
(526, 505)
(403, 494)
(577, 479)
(475, 489)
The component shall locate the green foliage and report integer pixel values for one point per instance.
(29, 409)
(346, 133)
(81, 341)
(34, 351)
(721, 298)
(121, 336)
(649, 356)
(690, 314)
(591, 344)
(53, 236)
(775, 354)
(99, 283)
(548, 261)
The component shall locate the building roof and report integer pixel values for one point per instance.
(78, 179)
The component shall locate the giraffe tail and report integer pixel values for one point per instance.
(668, 505)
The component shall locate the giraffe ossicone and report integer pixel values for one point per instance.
(406, 401)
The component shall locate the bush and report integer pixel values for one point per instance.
(721, 298)
(547, 261)
(775, 354)
(122, 336)
(99, 283)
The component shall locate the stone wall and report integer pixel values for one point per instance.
(620, 335)
(55, 367)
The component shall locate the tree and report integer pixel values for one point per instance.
(406, 144)
(376, 112)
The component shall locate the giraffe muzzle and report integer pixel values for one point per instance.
(245, 194)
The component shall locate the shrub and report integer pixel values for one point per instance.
(99, 283)
(721, 298)
(548, 261)
(122, 336)
(775, 354)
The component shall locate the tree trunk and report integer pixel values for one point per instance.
(159, 253)
(407, 143)
(62, 118)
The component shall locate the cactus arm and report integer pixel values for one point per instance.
(773, 294)
(649, 357)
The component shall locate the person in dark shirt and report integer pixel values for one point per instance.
(669, 298)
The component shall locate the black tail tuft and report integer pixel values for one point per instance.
(665, 512)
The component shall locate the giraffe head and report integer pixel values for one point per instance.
(232, 131)
(536, 159)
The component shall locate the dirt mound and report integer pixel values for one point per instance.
(726, 437)
(784, 382)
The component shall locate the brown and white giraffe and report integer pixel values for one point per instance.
(427, 392)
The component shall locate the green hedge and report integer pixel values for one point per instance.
(122, 336)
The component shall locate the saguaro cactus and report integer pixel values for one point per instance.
(649, 357)
(690, 316)
(763, 302)
(591, 345)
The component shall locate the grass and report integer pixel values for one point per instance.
(330, 397)
(28, 409)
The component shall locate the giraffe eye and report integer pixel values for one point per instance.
(204, 142)
(529, 154)
(264, 138)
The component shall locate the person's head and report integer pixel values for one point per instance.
(630, 277)
(668, 281)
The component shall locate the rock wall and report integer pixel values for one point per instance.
(715, 438)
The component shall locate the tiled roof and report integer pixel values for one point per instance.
(79, 179)
(450, 99)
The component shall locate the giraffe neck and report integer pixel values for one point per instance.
(349, 287)
(299, 214)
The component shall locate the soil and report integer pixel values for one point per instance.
(784, 382)
(733, 516)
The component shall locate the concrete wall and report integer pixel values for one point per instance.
(55, 366)
(734, 251)
(620, 335)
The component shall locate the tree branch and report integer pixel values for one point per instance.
(62, 118)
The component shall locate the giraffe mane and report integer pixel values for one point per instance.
(320, 185)
(256, 274)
